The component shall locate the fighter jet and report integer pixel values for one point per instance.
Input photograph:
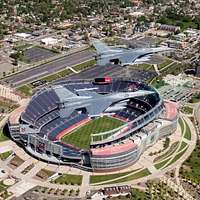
(93, 102)
(115, 55)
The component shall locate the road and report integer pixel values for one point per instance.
(48, 68)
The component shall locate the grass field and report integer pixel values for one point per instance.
(187, 110)
(51, 78)
(183, 145)
(143, 66)
(168, 153)
(178, 156)
(81, 136)
(187, 132)
(69, 179)
(180, 121)
(85, 65)
(137, 175)
(106, 177)
(161, 164)
(165, 63)
(25, 89)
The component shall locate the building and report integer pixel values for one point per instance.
(171, 28)
(137, 114)
(49, 41)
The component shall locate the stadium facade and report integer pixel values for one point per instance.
(63, 108)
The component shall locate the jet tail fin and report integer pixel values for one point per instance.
(100, 46)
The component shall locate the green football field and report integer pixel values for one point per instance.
(80, 137)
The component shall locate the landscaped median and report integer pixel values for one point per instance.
(187, 134)
(177, 148)
(137, 175)
(167, 154)
(27, 88)
(185, 129)
(178, 155)
(162, 164)
(94, 179)
(119, 177)
(165, 63)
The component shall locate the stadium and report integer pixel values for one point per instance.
(99, 125)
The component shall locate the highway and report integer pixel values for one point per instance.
(48, 68)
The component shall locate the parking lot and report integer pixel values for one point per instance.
(35, 54)
(114, 71)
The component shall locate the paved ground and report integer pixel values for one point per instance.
(113, 71)
(35, 54)
(48, 68)
(5, 66)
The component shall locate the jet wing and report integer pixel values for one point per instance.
(88, 93)
(100, 46)
(98, 107)
(127, 58)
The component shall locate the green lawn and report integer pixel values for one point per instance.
(106, 177)
(144, 66)
(25, 89)
(158, 82)
(168, 153)
(51, 78)
(195, 98)
(3, 137)
(187, 110)
(65, 72)
(187, 132)
(81, 136)
(181, 123)
(161, 164)
(176, 157)
(69, 179)
(164, 64)
(183, 145)
(137, 175)
(22, 47)
(85, 65)
(5, 155)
